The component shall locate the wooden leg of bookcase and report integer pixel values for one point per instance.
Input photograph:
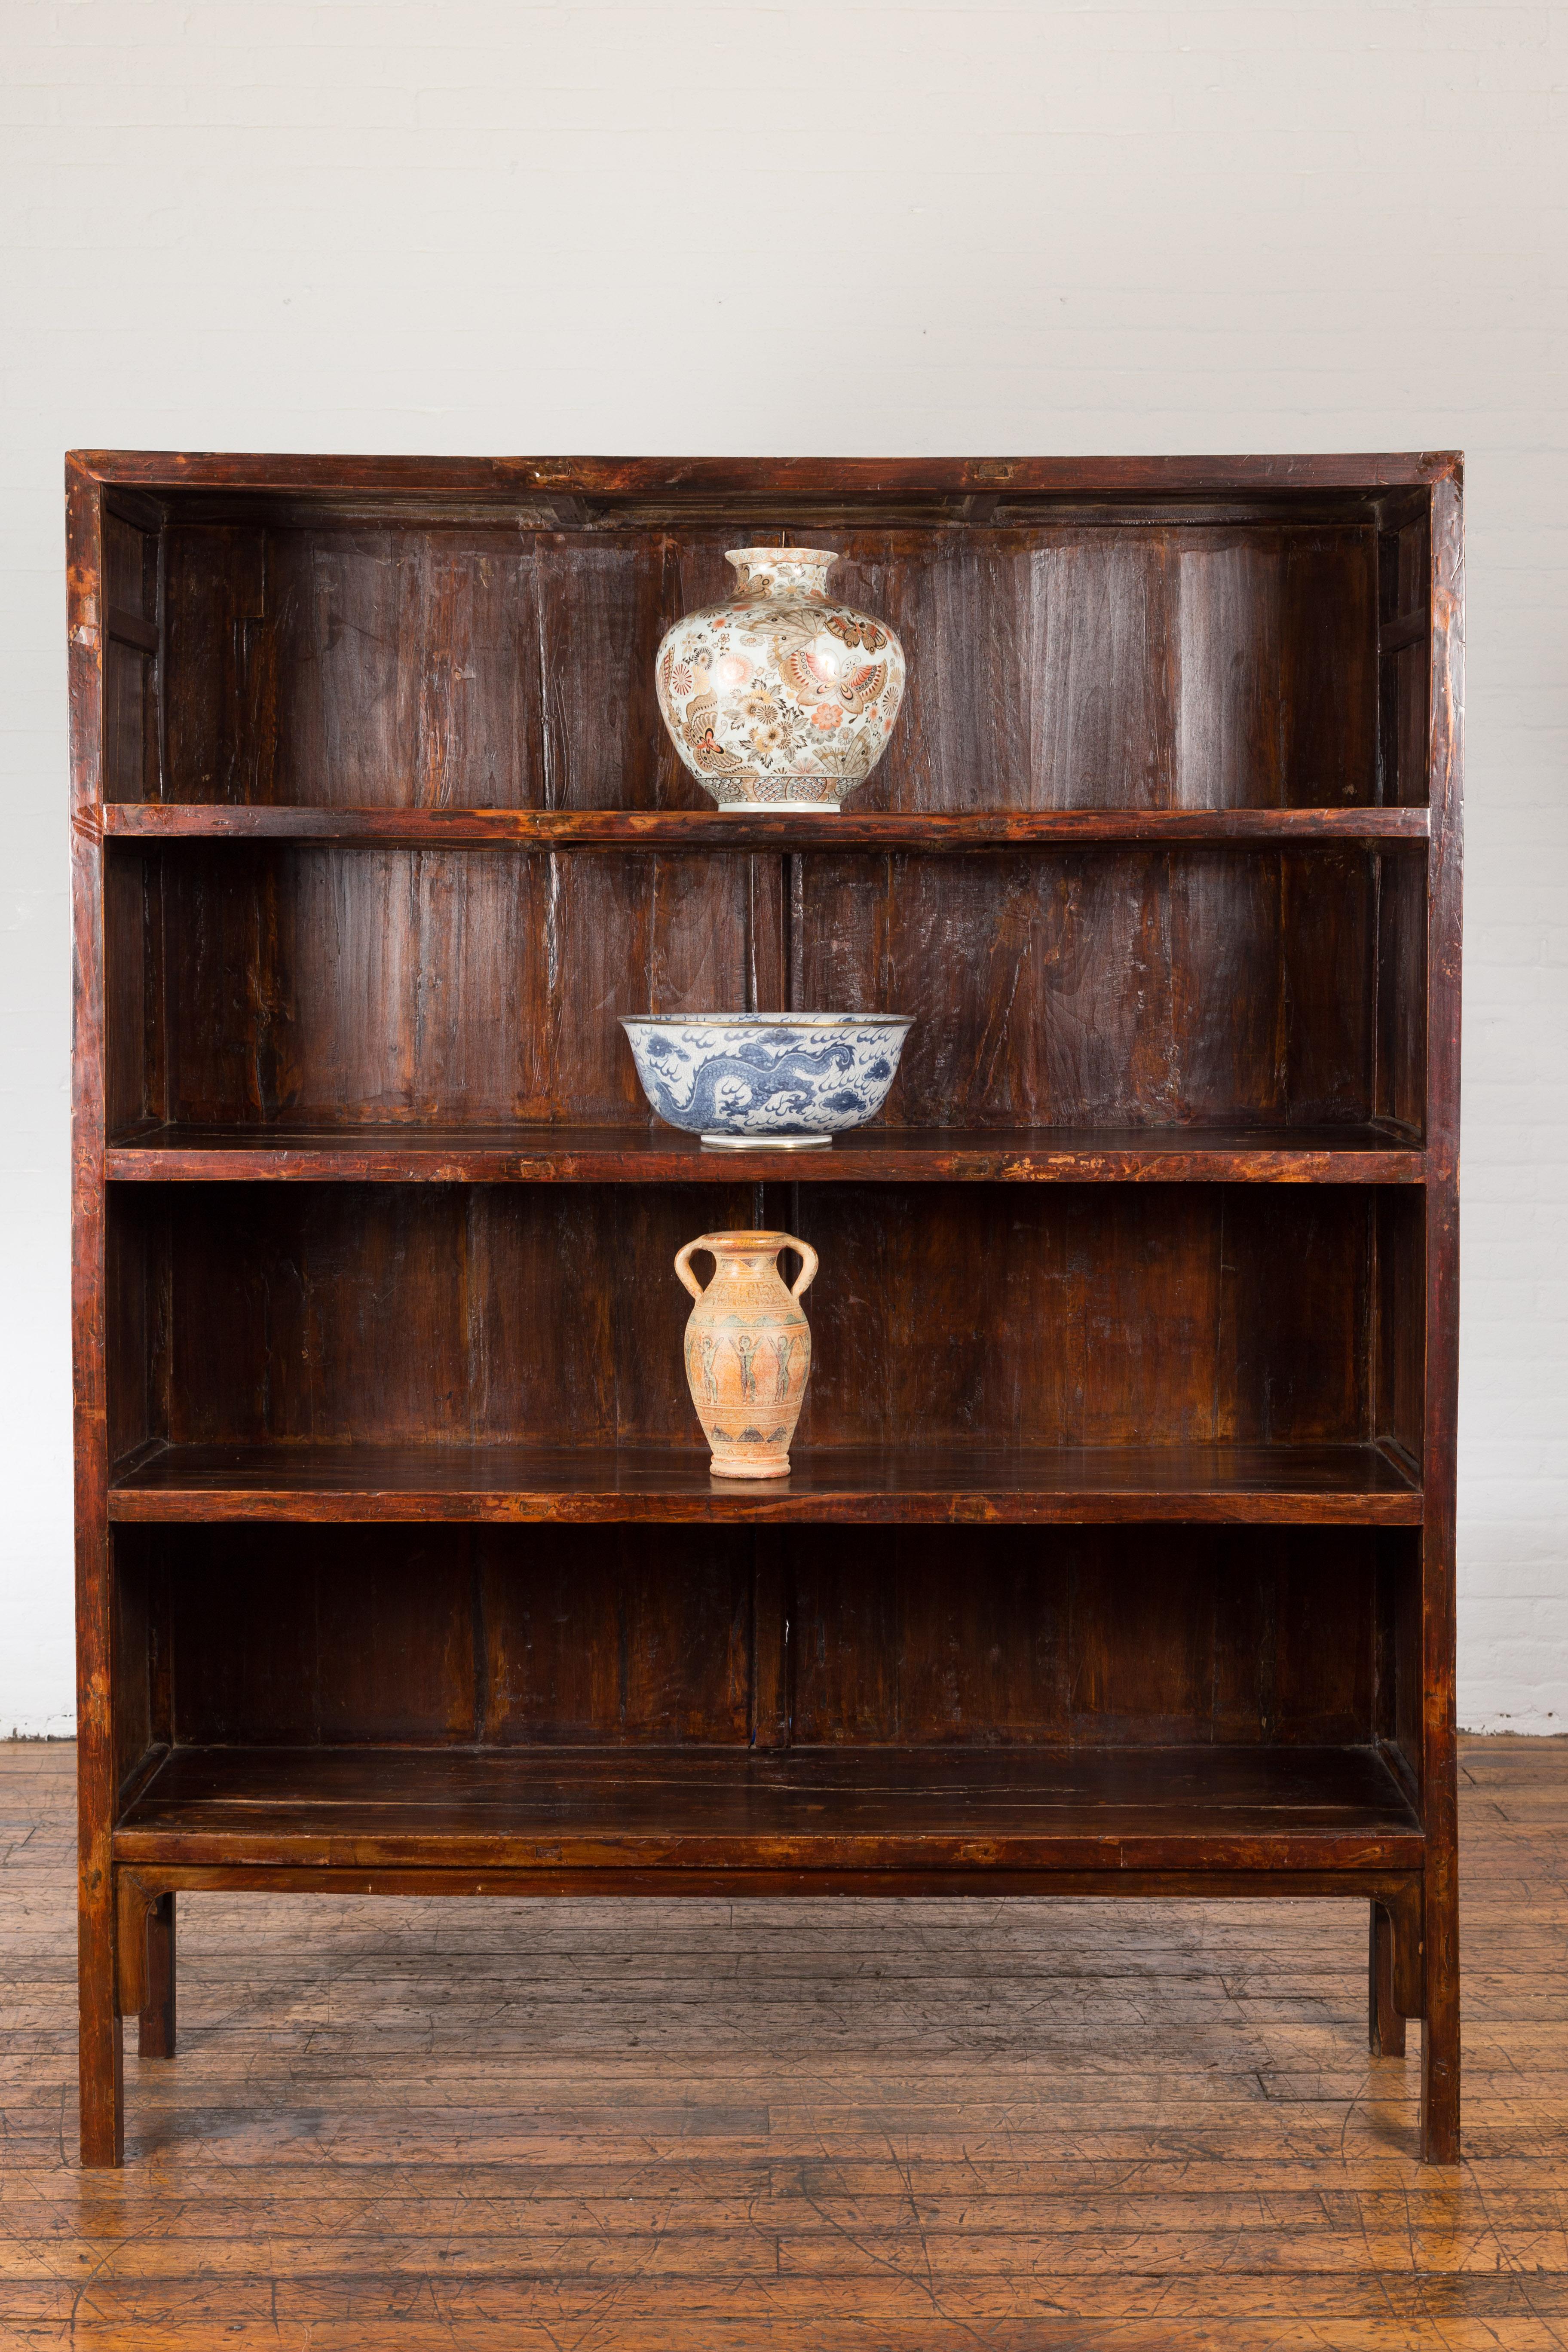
(155, 2029)
(1440, 2028)
(99, 2066)
(1385, 2026)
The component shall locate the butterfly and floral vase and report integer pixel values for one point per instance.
(780, 697)
(748, 1349)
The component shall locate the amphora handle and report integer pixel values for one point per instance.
(809, 1264)
(804, 1251)
(683, 1266)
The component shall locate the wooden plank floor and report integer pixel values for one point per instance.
(714, 2127)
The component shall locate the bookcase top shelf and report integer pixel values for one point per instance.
(686, 830)
(580, 492)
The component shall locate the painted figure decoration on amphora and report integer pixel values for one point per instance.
(780, 697)
(748, 1349)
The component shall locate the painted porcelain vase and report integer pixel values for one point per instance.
(748, 1349)
(779, 697)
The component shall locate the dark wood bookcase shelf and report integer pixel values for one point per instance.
(413, 1154)
(684, 832)
(1067, 1485)
(1117, 1555)
(870, 1814)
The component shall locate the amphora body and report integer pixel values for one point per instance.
(748, 1349)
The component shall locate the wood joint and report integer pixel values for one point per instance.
(134, 1902)
(1404, 629)
(129, 629)
(1403, 1907)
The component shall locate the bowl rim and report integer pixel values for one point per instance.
(767, 1019)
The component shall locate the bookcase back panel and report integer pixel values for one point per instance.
(1133, 989)
(1071, 1634)
(345, 662)
(345, 985)
(1057, 1316)
(330, 985)
(439, 1635)
(503, 1637)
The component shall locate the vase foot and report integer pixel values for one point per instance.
(742, 1471)
(764, 1142)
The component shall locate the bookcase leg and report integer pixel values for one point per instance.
(155, 2028)
(101, 2070)
(1385, 2027)
(1440, 2029)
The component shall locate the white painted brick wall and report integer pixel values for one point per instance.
(474, 225)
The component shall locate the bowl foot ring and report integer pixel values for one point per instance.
(765, 1142)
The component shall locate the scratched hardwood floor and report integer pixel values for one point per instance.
(714, 2127)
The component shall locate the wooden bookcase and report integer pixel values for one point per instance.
(1118, 1558)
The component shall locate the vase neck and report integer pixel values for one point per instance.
(745, 1252)
(793, 572)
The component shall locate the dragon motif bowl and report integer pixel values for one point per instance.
(789, 1080)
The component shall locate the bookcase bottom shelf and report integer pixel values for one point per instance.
(833, 1811)
(1311, 1485)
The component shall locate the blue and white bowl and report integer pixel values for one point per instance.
(789, 1080)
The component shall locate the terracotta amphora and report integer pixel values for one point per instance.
(748, 1350)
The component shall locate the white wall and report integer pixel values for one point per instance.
(868, 229)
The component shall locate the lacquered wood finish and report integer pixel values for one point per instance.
(722, 2125)
(1123, 1492)
(684, 832)
(744, 1636)
(406, 1154)
(1441, 545)
(102, 2101)
(1359, 1486)
(313, 984)
(812, 480)
(905, 1812)
(1100, 1315)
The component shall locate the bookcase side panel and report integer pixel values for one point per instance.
(98, 2046)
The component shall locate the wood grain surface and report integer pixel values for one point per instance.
(708, 2126)
(689, 831)
(402, 1153)
(812, 477)
(985, 1637)
(1317, 1484)
(1128, 986)
(851, 1811)
(1126, 1465)
(547, 1315)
